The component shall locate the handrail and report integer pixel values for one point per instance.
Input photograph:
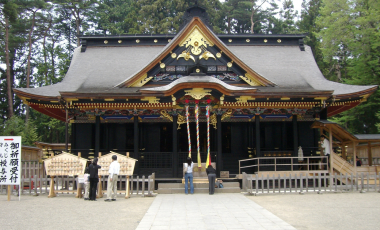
(282, 158)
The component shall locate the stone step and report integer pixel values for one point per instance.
(197, 190)
(196, 185)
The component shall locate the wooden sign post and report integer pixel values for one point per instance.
(127, 165)
(127, 195)
(79, 185)
(51, 191)
(100, 187)
(64, 164)
(10, 163)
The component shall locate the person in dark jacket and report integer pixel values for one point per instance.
(211, 173)
(94, 178)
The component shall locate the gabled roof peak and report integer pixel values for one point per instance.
(195, 11)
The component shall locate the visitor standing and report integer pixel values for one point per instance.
(94, 178)
(112, 179)
(189, 175)
(211, 173)
(86, 178)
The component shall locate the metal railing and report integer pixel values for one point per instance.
(308, 163)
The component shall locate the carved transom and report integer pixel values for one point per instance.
(198, 93)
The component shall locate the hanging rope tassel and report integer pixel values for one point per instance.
(198, 148)
(188, 129)
(208, 161)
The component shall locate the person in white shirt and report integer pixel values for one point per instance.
(112, 179)
(86, 178)
(325, 144)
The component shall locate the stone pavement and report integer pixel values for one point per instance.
(203, 211)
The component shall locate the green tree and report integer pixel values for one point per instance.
(16, 126)
(350, 37)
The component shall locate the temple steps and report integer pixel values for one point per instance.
(172, 188)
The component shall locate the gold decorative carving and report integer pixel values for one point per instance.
(222, 99)
(229, 64)
(218, 55)
(120, 41)
(197, 70)
(250, 80)
(247, 40)
(174, 55)
(174, 100)
(165, 114)
(137, 40)
(195, 40)
(245, 99)
(141, 81)
(227, 114)
(186, 56)
(162, 65)
(213, 120)
(155, 40)
(229, 40)
(105, 42)
(181, 120)
(198, 93)
(279, 40)
(265, 40)
(206, 55)
(151, 100)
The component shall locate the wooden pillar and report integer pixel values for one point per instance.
(97, 134)
(295, 135)
(175, 148)
(51, 190)
(9, 192)
(219, 166)
(136, 143)
(369, 154)
(331, 152)
(354, 158)
(67, 129)
(344, 155)
(100, 187)
(257, 124)
(127, 195)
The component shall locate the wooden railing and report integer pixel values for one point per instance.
(317, 182)
(293, 163)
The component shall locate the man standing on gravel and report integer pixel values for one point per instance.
(112, 179)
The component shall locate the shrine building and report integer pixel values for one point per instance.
(130, 93)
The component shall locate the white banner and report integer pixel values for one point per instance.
(10, 160)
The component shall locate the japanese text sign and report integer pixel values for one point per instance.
(10, 160)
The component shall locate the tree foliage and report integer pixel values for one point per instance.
(350, 42)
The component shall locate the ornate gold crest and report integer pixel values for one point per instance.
(198, 93)
(195, 40)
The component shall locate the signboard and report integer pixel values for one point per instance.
(127, 164)
(65, 164)
(10, 160)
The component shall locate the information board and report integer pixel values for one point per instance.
(10, 160)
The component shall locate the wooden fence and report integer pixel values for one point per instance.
(318, 182)
(34, 181)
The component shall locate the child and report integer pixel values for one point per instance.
(86, 183)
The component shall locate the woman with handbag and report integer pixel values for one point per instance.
(188, 170)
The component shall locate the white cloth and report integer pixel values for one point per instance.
(326, 146)
(86, 180)
(189, 168)
(114, 168)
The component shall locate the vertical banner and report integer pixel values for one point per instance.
(10, 160)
